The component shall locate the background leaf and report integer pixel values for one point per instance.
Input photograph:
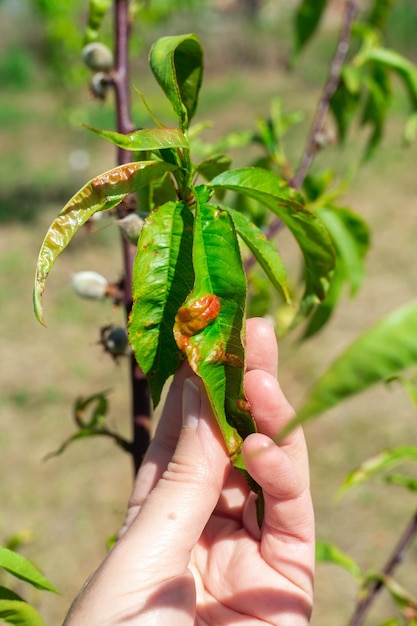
(163, 277)
(378, 464)
(100, 194)
(19, 613)
(329, 553)
(310, 233)
(20, 567)
(147, 139)
(306, 22)
(177, 64)
(384, 350)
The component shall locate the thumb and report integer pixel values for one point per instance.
(176, 511)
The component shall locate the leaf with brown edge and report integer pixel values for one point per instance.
(102, 193)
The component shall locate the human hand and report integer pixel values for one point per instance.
(191, 552)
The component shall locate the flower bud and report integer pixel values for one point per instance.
(98, 57)
(90, 285)
(131, 226)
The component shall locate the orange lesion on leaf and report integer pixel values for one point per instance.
(191, 318)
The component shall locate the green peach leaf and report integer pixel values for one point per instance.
(329, 553)
(216, 353)
(377, 464)
(147, 139)
(20, 567)
(177, 64)
(19, 613)
(264, 252)
(381, 352)
(310, 233)
(102, 193)
(163, 276)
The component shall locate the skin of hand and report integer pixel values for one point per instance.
(190, 552)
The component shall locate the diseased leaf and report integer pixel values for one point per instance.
(20, 567)
(148, 139)
(378, 464)
(307, 20)
(102, 193)
(288, 205)
(19, 613)
(216, 351)
(177, 64)
(384, 350)
(163, 277)
(329, 553)
(264, 252)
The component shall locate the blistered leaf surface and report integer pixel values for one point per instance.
(100, 194)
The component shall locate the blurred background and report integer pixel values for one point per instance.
(63, 510)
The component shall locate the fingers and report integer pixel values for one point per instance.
(175, 513)
(261, 346)
(261, 353)
(287, 536)
(272, 411)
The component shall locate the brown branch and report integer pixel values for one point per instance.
(317, 128)
(394, 560)
(141, 405)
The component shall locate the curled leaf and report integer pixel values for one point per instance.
(102, 193)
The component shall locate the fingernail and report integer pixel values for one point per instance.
(191, 403)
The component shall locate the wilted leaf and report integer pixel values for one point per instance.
(100, 194)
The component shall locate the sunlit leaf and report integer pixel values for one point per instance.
(310, 233)
(147, 139)
(20, 567)
(216, 352)
(378, 464)
(19, 613)
(163, 277)
(102, 193)
(403, 598)
(384, 350)
(307, 20)
(264, 252)
(177, 64)
(329, 553)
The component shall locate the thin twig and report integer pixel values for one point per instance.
(141, 406)
(394, 560)
(317, 128)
